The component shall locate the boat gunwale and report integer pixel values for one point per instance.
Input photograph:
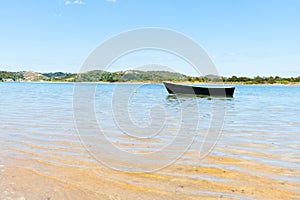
(205, 87)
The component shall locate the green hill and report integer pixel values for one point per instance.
(130, 75)
(138, 76)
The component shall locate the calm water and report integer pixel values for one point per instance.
(261, 123)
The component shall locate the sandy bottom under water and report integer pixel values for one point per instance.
(216, 177)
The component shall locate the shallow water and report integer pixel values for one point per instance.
(260, 125)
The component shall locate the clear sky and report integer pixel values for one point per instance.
(243, 37)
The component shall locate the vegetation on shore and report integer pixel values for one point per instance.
(138, 76)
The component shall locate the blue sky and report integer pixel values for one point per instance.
(243, 37)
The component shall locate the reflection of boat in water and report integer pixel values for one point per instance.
(199, 90)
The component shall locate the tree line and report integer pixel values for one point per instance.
(139, 76)
(247, 80)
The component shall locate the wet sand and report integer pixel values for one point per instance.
(38, 179)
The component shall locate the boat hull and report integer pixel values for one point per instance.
(199, 90)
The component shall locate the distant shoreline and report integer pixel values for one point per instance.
(154, 82)
(141, 77)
